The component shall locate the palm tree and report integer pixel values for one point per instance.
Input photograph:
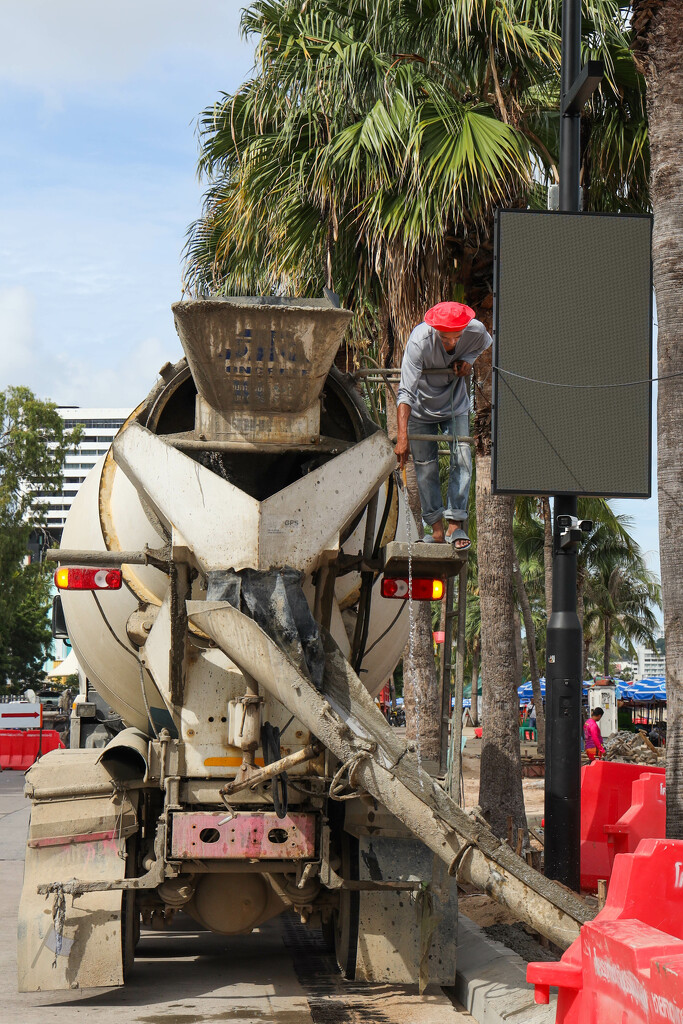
(658, 38)
(367, 154)
(620, 596)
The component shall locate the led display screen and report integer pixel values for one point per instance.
(572, 354)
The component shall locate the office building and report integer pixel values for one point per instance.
(100, 426)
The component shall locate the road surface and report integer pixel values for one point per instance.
(281, 973)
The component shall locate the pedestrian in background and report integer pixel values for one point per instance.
(593, 737)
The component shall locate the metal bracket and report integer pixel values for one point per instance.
(158, 873)
(582, 88)
(160, 558)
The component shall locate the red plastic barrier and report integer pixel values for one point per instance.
(645, 818)
(606, 795)
(19, 748)
(665, 997)
(626, 966)
(478, 732)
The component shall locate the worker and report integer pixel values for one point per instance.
(449, 339)
(593, 737)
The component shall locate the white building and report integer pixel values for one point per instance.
(100, 426)
(650, 663)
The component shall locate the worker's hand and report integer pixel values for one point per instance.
(461, 368)
(402, 451)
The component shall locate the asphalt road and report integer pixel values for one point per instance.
(281, 973)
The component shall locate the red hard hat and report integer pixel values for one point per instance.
(449, 316)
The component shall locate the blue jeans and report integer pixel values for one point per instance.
(426, 458)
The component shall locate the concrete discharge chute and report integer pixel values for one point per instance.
(250, 502)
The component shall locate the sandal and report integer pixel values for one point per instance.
(459, 535)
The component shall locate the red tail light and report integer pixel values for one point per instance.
(76, 578)
(422, 589)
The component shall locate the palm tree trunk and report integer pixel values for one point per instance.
(586, 654)
(420, 680)
(519, 649)
(474, 710)
(548, 556)
(660, 43)
(530, 631)
(580, 611)
(607, 650)
(500, 782)
(421, 686)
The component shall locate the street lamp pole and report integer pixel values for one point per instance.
(564, 643)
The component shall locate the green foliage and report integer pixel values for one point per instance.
(25, 633)
(374, 140)
(620, 596)
(33, 445)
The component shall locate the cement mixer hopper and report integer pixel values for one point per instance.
(259, 364)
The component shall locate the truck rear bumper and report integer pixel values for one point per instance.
(261, 835)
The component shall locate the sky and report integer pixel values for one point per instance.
(98, 185)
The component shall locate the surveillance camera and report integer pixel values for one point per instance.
(586, 525)
(564, 522)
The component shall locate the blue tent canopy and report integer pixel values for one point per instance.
(525, 691)
(644, 690)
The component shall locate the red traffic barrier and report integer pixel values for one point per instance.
(478, 732)
(627, 965)
(606, 795)
(19, 749)
(645, 818)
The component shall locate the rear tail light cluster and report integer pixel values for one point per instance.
(75, 578)
(422, 589)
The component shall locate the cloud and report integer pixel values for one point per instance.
(52, 47)
(122, 382)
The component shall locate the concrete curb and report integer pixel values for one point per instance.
(490, 981)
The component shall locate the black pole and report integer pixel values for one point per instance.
(564, 635)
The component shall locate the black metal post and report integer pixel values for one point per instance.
(564, 635)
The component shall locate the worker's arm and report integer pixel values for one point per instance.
(402, 448)
(479, 340)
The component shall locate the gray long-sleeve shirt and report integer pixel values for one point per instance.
(438, 396)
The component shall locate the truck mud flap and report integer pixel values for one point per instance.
(66, 943)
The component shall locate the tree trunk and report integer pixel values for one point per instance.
(519, 649)
(660, 47)
(474, 710)
(530, 631)
(500, 781)
(422, 699)
(586, 654)
(607, 650)
(581, 611)
(423, 717)
(548, 556)
(500, 785)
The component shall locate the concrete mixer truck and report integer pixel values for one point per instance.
(220, 575)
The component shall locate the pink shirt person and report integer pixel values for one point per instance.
(593, 737)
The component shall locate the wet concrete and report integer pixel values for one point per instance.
(281, 974)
